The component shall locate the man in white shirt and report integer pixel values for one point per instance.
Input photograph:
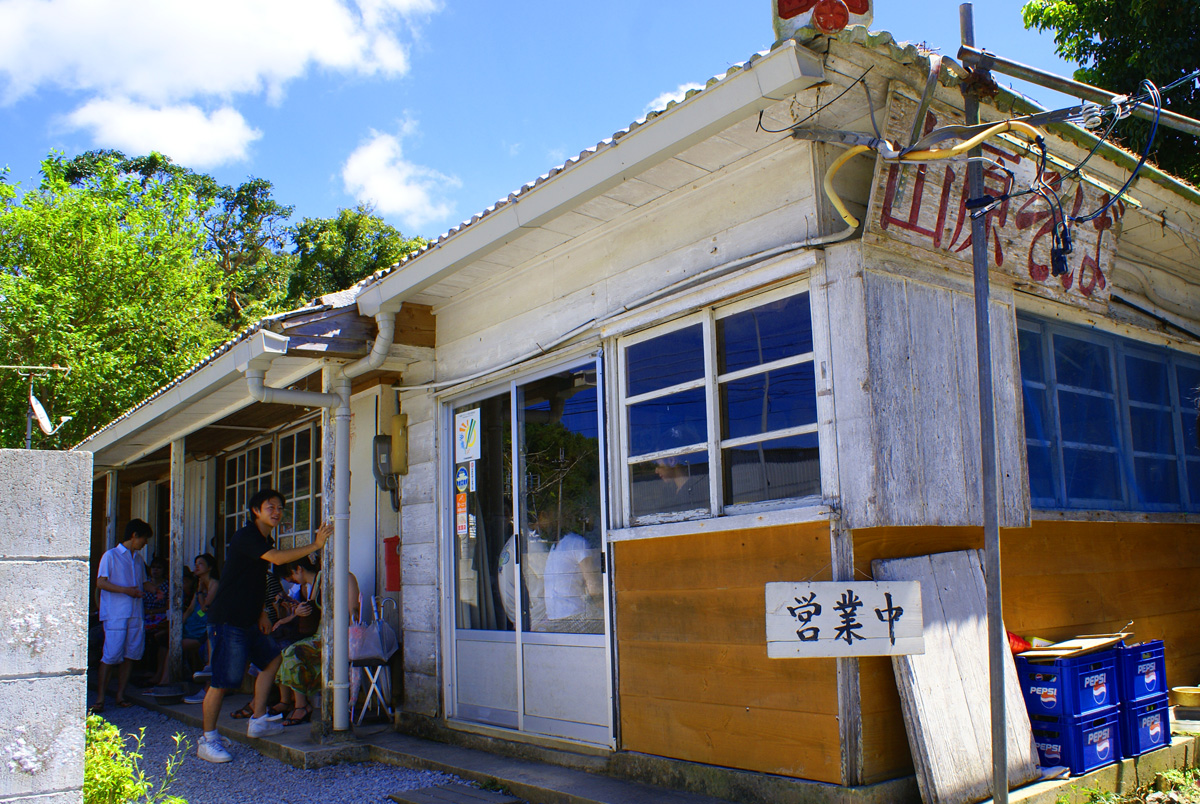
(120, 578)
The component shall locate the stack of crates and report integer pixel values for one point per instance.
(1073, 708)
(1142, 682)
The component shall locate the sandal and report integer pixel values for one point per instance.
(246, 711)
(124, 704)
(279, 709)
(96, 708)
(292, 720)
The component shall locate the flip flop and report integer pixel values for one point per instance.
(245, 712)
(292, 720)
(279, 709)
(124, 704)
(96, 708)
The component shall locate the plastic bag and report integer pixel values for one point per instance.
(375, 642)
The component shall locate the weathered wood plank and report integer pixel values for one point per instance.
(724, 674)
(176, 563)
(770, 741)
(944, 692)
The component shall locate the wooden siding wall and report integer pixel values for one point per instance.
(1060, 579)
(906, 395)
(695, 682)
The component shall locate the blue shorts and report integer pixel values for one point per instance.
(233, 647)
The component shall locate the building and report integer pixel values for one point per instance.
(667, 373)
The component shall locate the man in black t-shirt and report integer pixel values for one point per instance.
(239, 617)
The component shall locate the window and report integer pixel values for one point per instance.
(1110, 423)
(719, 410)
(291, 464)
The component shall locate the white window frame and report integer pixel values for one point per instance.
(711, 381)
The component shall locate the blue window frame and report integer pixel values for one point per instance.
(1110, 423)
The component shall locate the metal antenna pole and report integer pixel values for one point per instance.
(29, 416)
(997, 642)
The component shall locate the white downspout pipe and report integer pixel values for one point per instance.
(340, 555)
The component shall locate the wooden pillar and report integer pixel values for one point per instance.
(175, 552)
(841, 541)
(111, 505)
(323, 727)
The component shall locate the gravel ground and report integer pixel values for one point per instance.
(251, 777)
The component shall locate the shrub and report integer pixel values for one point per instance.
(112, 773)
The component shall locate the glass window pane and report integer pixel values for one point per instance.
(301, 510)
(1029, 345)
(230, 471)
(559, 455)
(287, 450)
(668, 422)
(770, 332)
(303, 445)
(286, 488)
(1038, 424)
(1188, 381)
(670, 486)
(1157, 481)
(1091, 476)
(1041, 473)
(231, 501)
(252, 466)
(1086, 419)
(318, 442)
(1082, 364)
(773, 400)
(1153, 430)
(241, 468)
(1147, 381)
(669, 359)
(286, 524)
(302, 480)
(779, 469)
(264, 461)
(1193, 480)
(483, 524)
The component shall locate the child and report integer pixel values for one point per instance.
(120, 579)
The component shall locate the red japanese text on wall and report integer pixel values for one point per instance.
(926, 206)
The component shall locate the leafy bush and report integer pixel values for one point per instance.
(112, 773)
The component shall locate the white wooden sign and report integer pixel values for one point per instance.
(860, 618)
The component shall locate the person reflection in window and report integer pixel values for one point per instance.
(572, 585)
(686, 492)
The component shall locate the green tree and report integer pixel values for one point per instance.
(334, 253)
(107, 274)
(1117, 44)
(245, 229)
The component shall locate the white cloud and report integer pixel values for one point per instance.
(377, 173)
(184, 132)
(662, 100)
(163, 51)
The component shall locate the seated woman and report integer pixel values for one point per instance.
(155, 599)
(300, 670)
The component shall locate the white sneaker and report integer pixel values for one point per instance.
(195, 697)
(212, 750)
(261, 727)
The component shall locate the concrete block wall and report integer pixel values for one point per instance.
(45, 521)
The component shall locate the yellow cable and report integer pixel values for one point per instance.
(918, 156)
(963, 147)
(834, 199)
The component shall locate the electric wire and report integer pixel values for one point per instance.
(816, 111)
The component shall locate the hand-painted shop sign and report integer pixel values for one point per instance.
(925, 205)
(830, 618)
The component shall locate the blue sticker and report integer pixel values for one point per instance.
(460, 479)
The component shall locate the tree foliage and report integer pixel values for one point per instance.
(334, 253)
(107, 276)
(1117, 44)
(129, 270)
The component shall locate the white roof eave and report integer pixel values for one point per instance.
(223, 371)
(776, 76)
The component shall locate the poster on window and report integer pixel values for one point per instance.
(466, 436)
(844, 619)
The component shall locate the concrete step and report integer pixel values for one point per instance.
(453, 794)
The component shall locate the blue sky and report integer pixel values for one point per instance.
(430, 110)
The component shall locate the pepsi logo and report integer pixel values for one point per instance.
(1051, 753)
(1100, 691)
(1150, 678)
(1047, 695)
(1153, 726)
(1102, 749)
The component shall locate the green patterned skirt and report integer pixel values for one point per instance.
(301, 666)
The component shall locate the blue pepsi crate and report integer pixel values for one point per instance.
(1069, 687)
(1145, 725)
(1079, 743)
(1141, 671)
